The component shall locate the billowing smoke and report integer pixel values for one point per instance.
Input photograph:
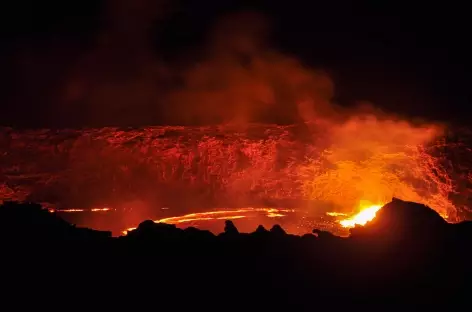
(235, 76)
(241, 79)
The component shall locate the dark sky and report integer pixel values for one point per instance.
(411, 59)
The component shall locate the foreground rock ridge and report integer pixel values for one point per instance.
(408, 255)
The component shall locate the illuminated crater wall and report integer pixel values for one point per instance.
(314, 168)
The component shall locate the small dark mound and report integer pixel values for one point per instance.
(151, 228)
(230, 228)
(277, 230)
(146, 224)
(323, 234)
(261, 230)
(194, 232)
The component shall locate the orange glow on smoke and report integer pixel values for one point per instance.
(374, 160)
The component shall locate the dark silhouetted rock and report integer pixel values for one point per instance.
(146, 225)
(429, 265)
(261, 230)
(400, 220)
(194, 233)
(31, 221)
(277, 230)
(150, 230)
(230, 228)
(323, 234)
(309, 237)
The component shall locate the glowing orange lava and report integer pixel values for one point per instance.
(367, 213)
(106, 209)
(230, 214)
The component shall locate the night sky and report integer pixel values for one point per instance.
(410, 59)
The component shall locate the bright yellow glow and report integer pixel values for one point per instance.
(367, 213)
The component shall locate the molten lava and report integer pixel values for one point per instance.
(227, 214)
(106, 209)
(366, 214)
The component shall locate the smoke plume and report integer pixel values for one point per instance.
(235, 76)
(240, 79)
